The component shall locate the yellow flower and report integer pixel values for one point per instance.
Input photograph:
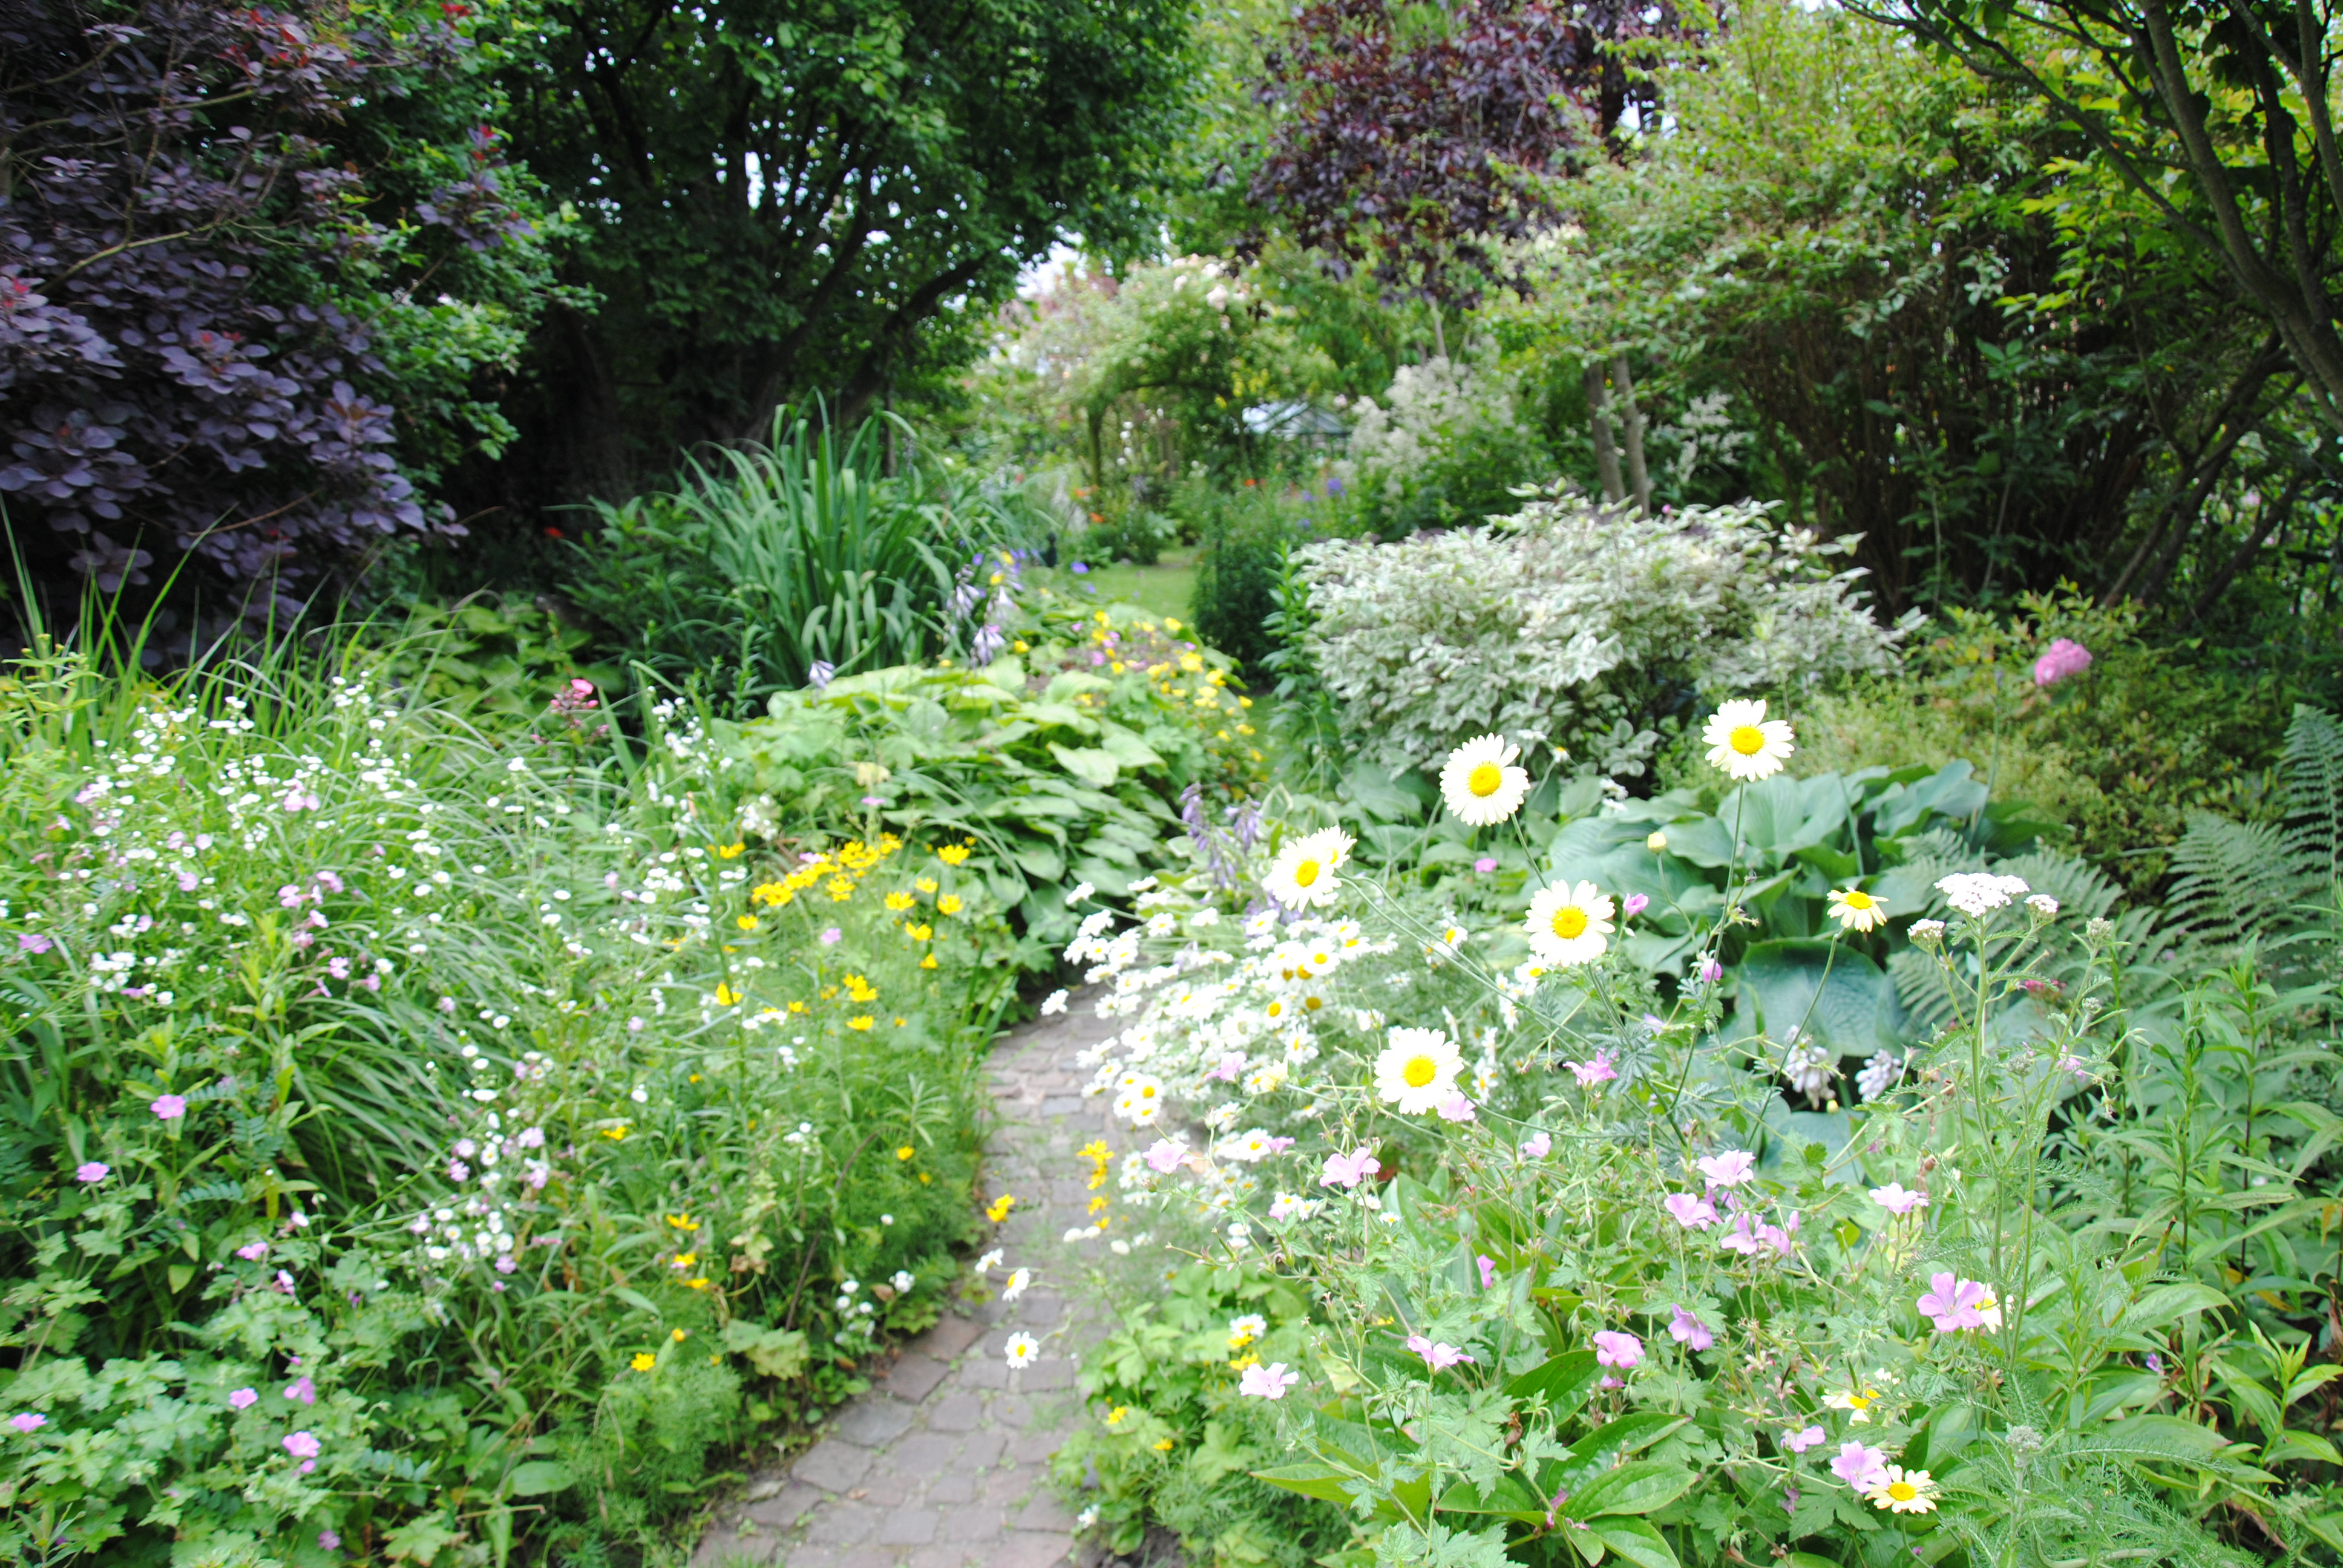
(797, 1007)
(997, 1210)
(898, 902)
(1115, 1416)
(1164, 1445)
(683, 1221)
(731, 851)
(1856, 911)
(925, 1177)
(918, 933)
(1858, 1404)
(949, 904)
(616, 1134)
(684, 1260)
(697, 1284)
(1243, 1361)
(769, 893)
(953, 854)
(725, 995)
(905, 1152)
(859, 989)
(746, 922)
(1099, 1202)
(839, 889)
(678, 1336)
(863, 1022)
(644, 1360)
(925, 884)
(1656, 842)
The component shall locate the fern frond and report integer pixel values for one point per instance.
(2234, 879)
(2314, 791)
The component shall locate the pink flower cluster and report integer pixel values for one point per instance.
(2064, 658)
(1954, 1304)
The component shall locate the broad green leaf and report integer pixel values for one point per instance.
(1309, 1479)
(539, 1477)
(1634, 1542)
(1637, 1487)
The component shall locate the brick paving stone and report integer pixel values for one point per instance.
(945, 1464)
(785, 1507)
(951, 1335)
(842, 1524)
(915, 1377)
(960, 1411)
(1033, 1548)
(832, 1465)
(872, 1422)
(908, 1527)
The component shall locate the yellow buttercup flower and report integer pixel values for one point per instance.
(683, 1221)
(644, 1360)
(928, 962)
(725, 995)
(949, 904)
(771, 893)
(954, 854)
(731, 851)
(1164, 1445)
(746, 922)
(678, 1335)
(863, 1022)
(696, 1284)
(616, 1134)
(898, 902)
(925, 884)
(997, 1210)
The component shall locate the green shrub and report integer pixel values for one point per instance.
(2122, 753)
(1245, 537)
(513, 1132)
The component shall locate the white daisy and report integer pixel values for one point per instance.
(1303, 874)
(1016, 1284)
(1023, 1350)
(1481, 783)
(1417, 1070)
(1856, 911)
(1569, 925)
(1743, 742)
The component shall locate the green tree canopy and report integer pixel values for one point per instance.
(783, 198)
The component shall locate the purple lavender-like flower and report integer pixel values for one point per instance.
(988, 644)
(820, 674)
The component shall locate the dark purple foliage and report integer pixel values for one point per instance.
(173, 379)
(1415, 145)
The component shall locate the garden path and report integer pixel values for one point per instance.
(945, 1463)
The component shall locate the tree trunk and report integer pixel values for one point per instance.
(1606, 453)
(1638, 477)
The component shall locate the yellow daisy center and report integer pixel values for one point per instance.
(1748, 739)
(1902, 1491)
(1419, 1071)
(1486, 779)
(1859, 1401)
(1859, 901)
(1305, 873)
(1569, 922)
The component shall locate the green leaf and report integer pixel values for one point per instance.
(1087, 763)
(1310, 1480)
(539, 1477)
(1562, 1379)
(774, 1352)
(1635, 1541)
(418, 1541)
(1637, 1487)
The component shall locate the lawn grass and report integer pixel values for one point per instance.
(1165, 589)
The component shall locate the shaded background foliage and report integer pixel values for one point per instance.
(216, 226)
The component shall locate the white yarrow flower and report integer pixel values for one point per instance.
(1977, 894)
(1054, 1004)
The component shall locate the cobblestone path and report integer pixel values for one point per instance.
(945, 1463)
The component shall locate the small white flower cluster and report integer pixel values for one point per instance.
(1977, 894)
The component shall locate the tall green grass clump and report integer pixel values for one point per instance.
(792, 560)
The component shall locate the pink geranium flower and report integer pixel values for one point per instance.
(1691, 1212)
(1457, 1107)
(1269, 1382)
(90, 1174)
(1536, 1146)
(1896, 1199)
(1439, 1357)
(1730, 1169)
(1634, 904)
(1860, 1467)
(1590, 1073)
(169, 1107)
(302, 1445)
(1488, 1266)
(1688, 1329)
(1799, 1442)
(1613, 1349)
(1347, 1170)
(1165, 1156)
(1954, 1304)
